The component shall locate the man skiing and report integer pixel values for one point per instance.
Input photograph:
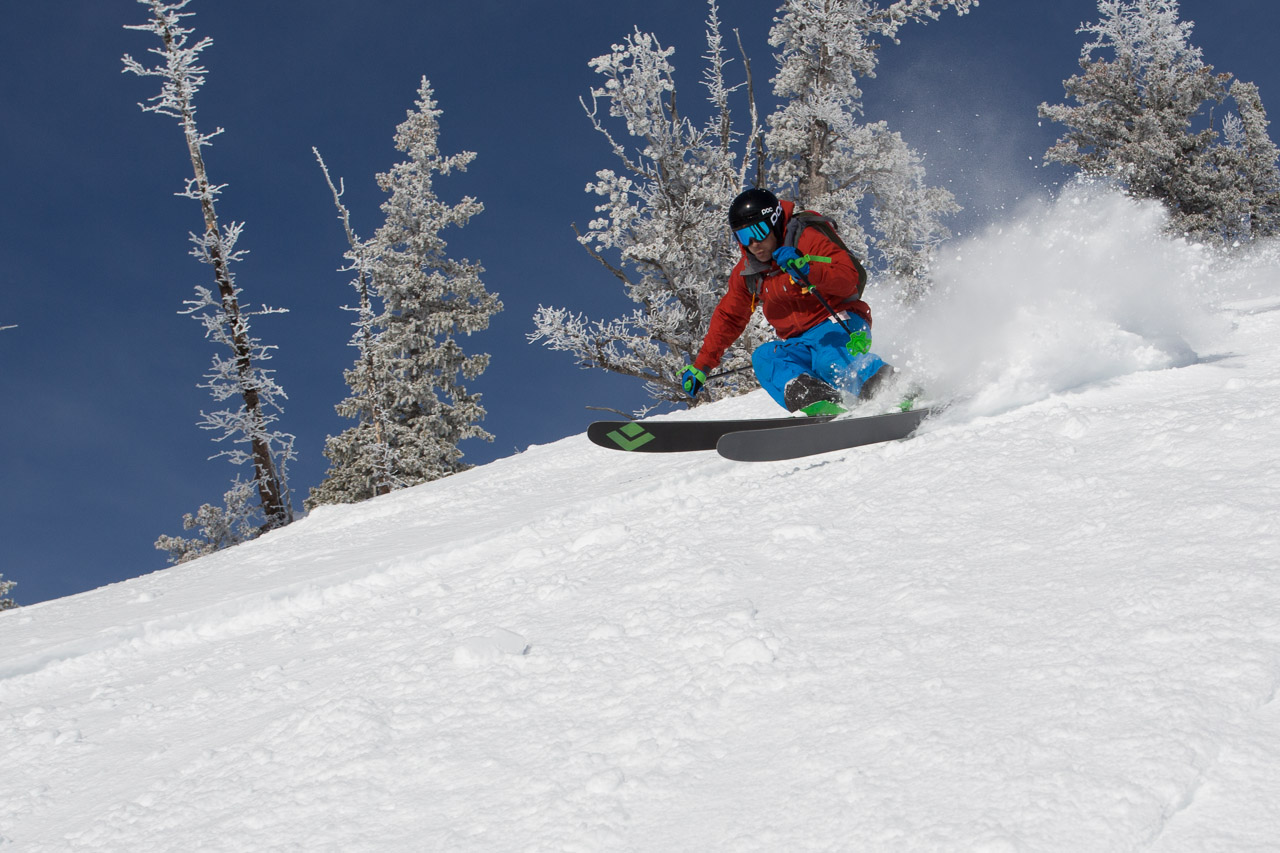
(809, 288)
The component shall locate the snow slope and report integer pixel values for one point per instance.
(1049, 623)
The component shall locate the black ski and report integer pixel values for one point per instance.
(680, 436)
(789, 442)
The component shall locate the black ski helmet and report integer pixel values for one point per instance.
(756, 205)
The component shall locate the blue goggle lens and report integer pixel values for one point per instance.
(756, 231)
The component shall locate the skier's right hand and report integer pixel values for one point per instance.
(792, 261)
(692, 379)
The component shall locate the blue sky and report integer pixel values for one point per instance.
(99, 444)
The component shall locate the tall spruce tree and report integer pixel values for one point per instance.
(416, 302)
(363, 462)
(1142, 116)
(6, 587)
(664, 213)
(236, 374)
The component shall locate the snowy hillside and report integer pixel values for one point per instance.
(1049, 623)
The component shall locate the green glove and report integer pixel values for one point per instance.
(859, 343)
(692, 379)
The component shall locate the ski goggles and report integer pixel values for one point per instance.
(756, 231)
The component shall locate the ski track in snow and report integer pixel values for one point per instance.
(1052, 626)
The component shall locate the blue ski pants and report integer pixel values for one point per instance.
(821, 352)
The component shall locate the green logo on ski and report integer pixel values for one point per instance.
(631, 437)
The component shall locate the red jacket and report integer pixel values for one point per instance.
(788, 309)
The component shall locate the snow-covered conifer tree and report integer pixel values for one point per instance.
(219, 526)
(407, 389)
(1249, 163)
(664, 214)
(1142, 117)
(362, 460)
(225, 320)
(6, 587)
(825, 157)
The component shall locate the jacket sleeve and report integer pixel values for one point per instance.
(836, 281)
(727, 322)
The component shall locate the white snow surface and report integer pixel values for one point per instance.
(1050, 622)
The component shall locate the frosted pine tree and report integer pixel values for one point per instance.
(1249, 164)
(235, 374)
(218, 526)
(663, 216)
(363, 463)
(1133, 117)
(863, 175)
(407, 386)
(6, 587)
(1143, 117)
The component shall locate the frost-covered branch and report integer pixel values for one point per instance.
(755, 138)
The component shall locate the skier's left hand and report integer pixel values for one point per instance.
(791, 261)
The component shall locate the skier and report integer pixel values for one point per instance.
(809, 288)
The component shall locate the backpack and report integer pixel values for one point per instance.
(799, 221)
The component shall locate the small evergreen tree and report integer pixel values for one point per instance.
(407, 389)
(225, 320)
(7, 603)
(1142, 117)
(219, 526)
(363, 462)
